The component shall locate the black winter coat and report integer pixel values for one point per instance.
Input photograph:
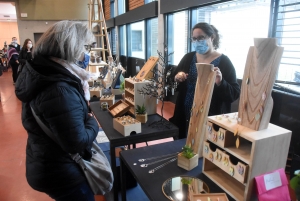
(223, 95)
(24, 56)
(57, 97)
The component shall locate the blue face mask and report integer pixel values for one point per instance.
(201, 46)
(85, 62)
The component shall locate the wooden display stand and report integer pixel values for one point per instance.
(145, 73)
(119, 108)
(258, 152)
(256, 103)
(203, 93)
(126, 125)
(96, 91)
(133, 98)
(110, 100)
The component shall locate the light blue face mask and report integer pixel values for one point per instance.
(85, 62)
(201, 46)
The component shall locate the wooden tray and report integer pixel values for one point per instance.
(119, 108)
(212, 196)
(145, 72)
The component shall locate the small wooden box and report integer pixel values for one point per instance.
(187, 164)
(212, 196)
(126, 127)
(119, 108)
(96, 91)
(109, 99)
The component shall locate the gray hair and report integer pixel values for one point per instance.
(65, 40)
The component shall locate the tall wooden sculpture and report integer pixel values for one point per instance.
(256, 103)
(203, 93)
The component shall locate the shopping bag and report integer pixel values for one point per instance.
(273, 186)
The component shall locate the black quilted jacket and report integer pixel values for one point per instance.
(57, 97)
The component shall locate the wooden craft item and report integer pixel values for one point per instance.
(210, 197)
(203, 93)
(110, 99)
(256, 103)
(96, 91)
(119, 108)
(145, 73)
(187, 164)
(126, 125)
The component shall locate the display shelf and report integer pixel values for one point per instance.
(263, 151)
(232, 187)
(133, 97)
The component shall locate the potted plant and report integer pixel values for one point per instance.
(122, 88)
(141, 114)
(295, 184)
(187, 159)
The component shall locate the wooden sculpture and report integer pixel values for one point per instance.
(203, 93)
(256, 103)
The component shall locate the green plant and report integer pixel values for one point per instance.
(188, 152)
(122, 86)
(140, 109)
(295, 183)
(187, 181)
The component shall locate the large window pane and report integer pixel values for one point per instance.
(177, 35)
(238, 24)
(136, 39)
(112, 9)
(122, 42)
(112, 40)
(121, 7)
(152, 34)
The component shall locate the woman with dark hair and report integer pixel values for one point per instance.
(25, 53)
(52, 85)
(206, 40)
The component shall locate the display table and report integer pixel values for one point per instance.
(152, 183)
(116, 139)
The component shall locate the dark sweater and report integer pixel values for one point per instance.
(57, 97)
(223, 95)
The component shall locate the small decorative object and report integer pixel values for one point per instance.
(211, 157)
(104, 106)
(215, 138)
(295, 183)
(226, 161)
(206, 149)
(241, 169)
(126, 125)
(110, 99)
(141, 114)
(187, 159)
(231, 171)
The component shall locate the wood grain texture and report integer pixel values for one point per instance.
(263, 151)
(203, 93)
(145, 73)
(256, 103)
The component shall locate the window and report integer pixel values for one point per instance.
(113, 40)
(149, 1)
(177, 35)
(152, 34)
(136, 39)
(287, 31)
(235, 21)
(121, 7)
(122, 42)
(112, 8)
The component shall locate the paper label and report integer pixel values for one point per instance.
(272, 180)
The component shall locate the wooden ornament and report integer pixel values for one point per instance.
(237, 142)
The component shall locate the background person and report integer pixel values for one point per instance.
(13, 59)
(205, 39)
(52, 85)
(25, 53)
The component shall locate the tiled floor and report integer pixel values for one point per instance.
(13, 184)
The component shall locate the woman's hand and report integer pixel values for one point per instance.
(180, 77)
(218, 76)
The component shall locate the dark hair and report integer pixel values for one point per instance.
(210, 31)
(25, 44)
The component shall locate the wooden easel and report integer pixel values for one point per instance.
(256, 103)
(203, 93)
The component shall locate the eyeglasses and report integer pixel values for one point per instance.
(90, 46)
(198, 39)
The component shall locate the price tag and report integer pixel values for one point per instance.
(272, 180)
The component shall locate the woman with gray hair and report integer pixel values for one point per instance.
(53, 85)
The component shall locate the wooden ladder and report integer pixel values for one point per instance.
(98, 26)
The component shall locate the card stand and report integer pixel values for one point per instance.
(96, 92)
(209, 196)
(109, 99)
(119, 108)
(224, 161)
(126, 125)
